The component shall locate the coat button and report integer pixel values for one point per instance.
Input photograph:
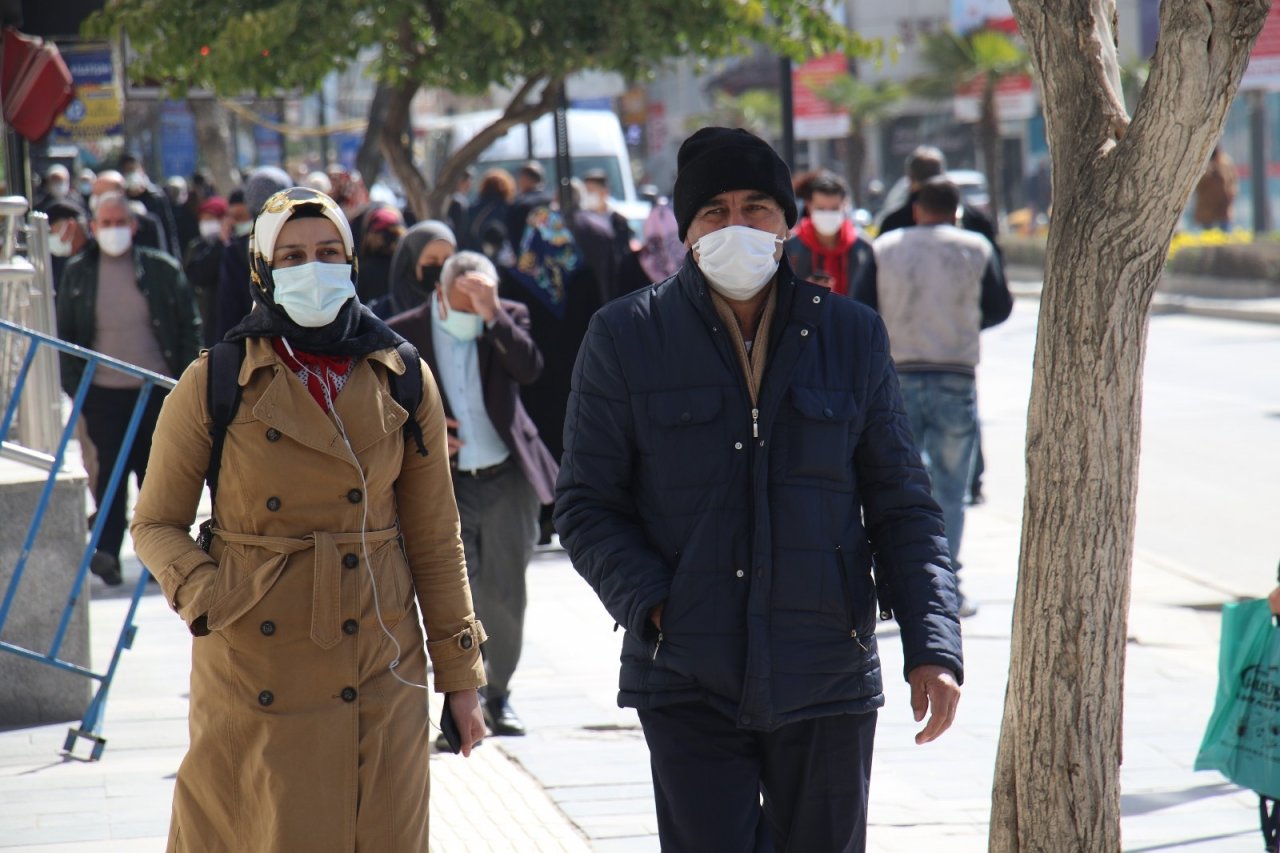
(804, 333)
(737, 445)
(265, 698)
(355, 496)
(348, 694)
(817, 299)
(685, 417)
(828, 413)
(466, 642)
(350, 626)
(350, 560)
(273, 504)
(738, 572)
(267, 628)
(273, 434)
(746, 719)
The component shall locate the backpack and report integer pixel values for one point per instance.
(223, 398)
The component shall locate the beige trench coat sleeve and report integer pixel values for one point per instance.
(433, 543)
(161, 528)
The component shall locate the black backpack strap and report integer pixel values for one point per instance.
(406, 389)
(223, 399)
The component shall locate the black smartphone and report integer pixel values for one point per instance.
(449, 728)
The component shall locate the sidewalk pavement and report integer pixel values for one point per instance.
(580, 781)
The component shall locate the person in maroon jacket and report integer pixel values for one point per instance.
(479, 349)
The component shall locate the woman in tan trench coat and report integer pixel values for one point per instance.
(329, 526)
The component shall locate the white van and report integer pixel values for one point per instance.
(595, 142)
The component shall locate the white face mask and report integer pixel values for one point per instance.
(313, 294)
(134, 182)
(242, 229)
(738, 260)
(115, 241)
(59, 246)
(210, 228)
(462, 325)
(827, 222)
(57, 189)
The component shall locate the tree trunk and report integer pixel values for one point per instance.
(213, 136)
(989, 138)
(369, 157)
(397, 147)
(855, 159)
(1057, 770)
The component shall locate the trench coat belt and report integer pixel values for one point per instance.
(326, 594)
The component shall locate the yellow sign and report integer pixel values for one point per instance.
(95, 112)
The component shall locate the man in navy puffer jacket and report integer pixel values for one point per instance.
(737, 460)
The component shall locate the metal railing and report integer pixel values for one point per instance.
(39, 344)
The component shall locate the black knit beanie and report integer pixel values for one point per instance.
(716, 160)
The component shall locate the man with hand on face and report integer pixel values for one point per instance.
(132, 303)
(736, 457)
(827, 248)
(478, 347)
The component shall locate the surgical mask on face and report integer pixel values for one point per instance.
(58, 190)
(115, 241)
(210, 228)
(827, 222)
(738, 261)
(312, 294)
(462, 325)
(242, 229)
(86, 188)
(59, 247)
(134, 182)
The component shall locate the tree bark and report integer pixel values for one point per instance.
(397, 146)
(213, 136)
(989, 139)
(369, 158)
(1057, 769)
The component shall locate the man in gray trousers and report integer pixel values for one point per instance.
(479, 349)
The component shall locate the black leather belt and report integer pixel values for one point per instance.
(482, 473)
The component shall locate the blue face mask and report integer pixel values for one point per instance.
(462, 325)
(313, 294)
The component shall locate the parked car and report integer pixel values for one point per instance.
(971, 183)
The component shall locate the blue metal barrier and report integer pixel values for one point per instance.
(91, 724)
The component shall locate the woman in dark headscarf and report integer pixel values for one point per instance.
(551, 277)
(415, 267)
(308, 730)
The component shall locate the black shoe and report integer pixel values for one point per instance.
(106, 567)
(502, 719)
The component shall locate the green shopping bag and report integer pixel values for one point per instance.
(1242, 741)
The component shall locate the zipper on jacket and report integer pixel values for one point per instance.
(657, 646)
(755, 423)
(848, 602)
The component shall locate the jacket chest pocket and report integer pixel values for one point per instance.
(820, 434)
(686, 443)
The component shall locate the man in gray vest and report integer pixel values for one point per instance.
(936, 287)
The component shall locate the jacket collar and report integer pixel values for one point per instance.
(795, 297)
(259, 354)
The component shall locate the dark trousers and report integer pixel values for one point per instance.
(710, 777)
(499, 517)
(106, 414)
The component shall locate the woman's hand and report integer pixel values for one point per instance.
(465, 705)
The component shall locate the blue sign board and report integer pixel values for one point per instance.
(178, 149)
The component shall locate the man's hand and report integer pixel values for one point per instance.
(933, 687)
(1274, 600)
(482, 291)
(655, 616)
(455, 443)
(465, 705)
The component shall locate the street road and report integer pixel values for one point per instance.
(1209, 487)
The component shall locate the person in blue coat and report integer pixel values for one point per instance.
(740, 487)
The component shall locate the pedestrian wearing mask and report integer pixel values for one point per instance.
(416, 266)
(138, 187)
(827, 249)
(132, 303)
(480, 350)
(202, 259)
(331, 521)
(736, 457)
(68, 234)
(383, 230)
